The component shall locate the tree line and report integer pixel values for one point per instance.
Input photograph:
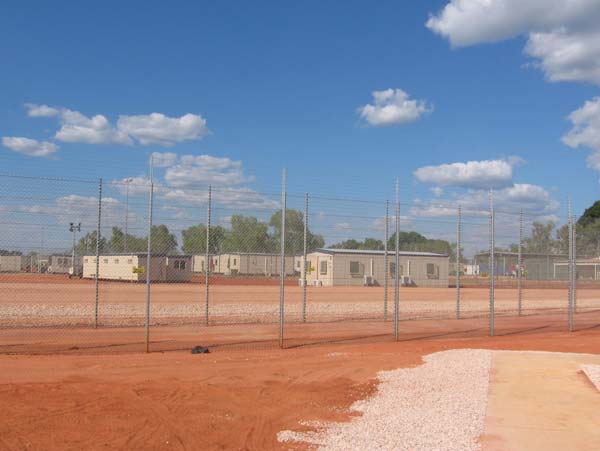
(546, 238)
(246, 234)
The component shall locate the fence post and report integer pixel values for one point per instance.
(385, 259)
(492, 261)
(207, 257)
(520, 265)
(282, 269)
(97, 276)
(304, 259)
(397, 271)
(149, 253)
(458, 255)
(574, 267)
(570, 264)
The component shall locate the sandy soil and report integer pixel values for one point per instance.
(224, 400)
(73, 303)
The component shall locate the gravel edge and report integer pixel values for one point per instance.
(438, 405)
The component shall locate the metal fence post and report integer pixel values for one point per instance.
(492, 261)
(98, 235)
(570, 264)
(385, 259)
(458, 255)
(304, 258)
(397, 271)
(282, 269)
(574, 266)
(520, 265)
(149, 254)
(207, 257)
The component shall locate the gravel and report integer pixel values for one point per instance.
(439, 405)
(593, 374)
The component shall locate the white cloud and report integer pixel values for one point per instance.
(84, 209)
(586, 131)
(77, 128)
(533, 199)
(392, 107)
(562, 35)
(239, 198)
(34, 110)
(29, 147)
(342, 227)
(135, 186)
(437, 191)
(472, 174)
(156, 128)
(567, 56)
(163, 159)
(206, 169)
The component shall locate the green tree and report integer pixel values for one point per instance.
(135, 244)
(541, 240)
(294, 233)
(369, 244)
(247, 234)
(87, 244)
(194, 239)
(590, 215)
(162, 241)
(415, 242)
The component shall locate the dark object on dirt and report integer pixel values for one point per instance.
(200, 350)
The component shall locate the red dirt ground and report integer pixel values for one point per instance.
(236, 397)
(79, 388)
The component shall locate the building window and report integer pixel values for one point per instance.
(323, 268)
(130, 261)
(85, 260)
(433, 271)
(234, 261)
(116, 261)
(357, 269)
(105, 260)
(179, 264)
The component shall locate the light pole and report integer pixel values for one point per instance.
(126, 211)
(74, 229)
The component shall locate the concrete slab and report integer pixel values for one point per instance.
(541, 401)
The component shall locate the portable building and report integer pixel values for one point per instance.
(10, 263)
(133, 267)
(536, 266)
(585, 269)
(338, 267)
(60, 263)
(250, 264)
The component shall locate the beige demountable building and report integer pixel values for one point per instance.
(339, 267)
(10, 263)
(133, 267)
(586, 269)
(60, 264)
(241, 263)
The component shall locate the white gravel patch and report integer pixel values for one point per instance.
(593, 374)
(439, 405)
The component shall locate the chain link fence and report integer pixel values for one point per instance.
(133, 265)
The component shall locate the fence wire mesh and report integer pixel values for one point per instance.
(112, 265)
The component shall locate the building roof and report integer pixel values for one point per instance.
(138, 254)
(524, 254)
(373, 252)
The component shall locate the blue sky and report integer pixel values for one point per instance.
(281, 85)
